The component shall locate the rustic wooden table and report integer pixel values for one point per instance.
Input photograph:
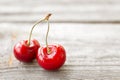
(88, 29)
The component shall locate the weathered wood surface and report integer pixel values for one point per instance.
(93, 49)
(93, 52)
(64, 10)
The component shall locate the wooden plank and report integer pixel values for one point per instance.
(17, 2)
(64, 11)
(93, 52)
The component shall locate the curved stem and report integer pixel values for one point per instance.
(28, 43)
(46, 18)
(48, 50)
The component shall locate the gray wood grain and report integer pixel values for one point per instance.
(93, 51)
(85, 11)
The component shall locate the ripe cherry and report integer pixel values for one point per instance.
(26, 50)
(51, 57)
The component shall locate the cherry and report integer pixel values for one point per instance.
(51, 57)
(26, 50)
(52, 60)
(25, 53)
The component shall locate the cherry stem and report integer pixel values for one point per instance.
(39, 21)
(48, 50)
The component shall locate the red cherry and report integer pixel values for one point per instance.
(52, 60)
(51, 57)
(24, 52)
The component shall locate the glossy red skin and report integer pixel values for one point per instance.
(54, 60)
(25, 53)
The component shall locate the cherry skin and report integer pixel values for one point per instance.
(24, 52)
(52, 60)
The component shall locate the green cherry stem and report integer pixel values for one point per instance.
(39, 21)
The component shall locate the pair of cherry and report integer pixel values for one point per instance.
(50, 57)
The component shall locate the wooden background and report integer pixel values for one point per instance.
(88, 29)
